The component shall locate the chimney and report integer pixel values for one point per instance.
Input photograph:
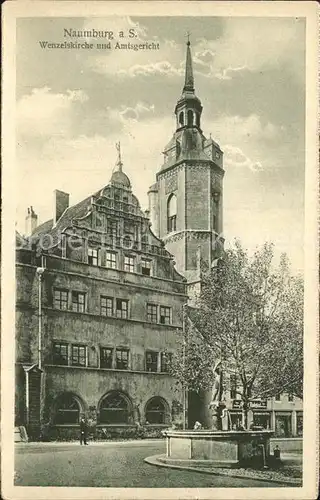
(61, 203)
(31, 221)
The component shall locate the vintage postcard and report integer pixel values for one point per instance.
(160, 250)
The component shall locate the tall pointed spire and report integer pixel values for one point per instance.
(189, 80)
(188, 108)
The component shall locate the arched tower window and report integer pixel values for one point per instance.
(190, 118)
(67, 410)
(198, 119)
(172, 213)
(181, 118)
(114, 409)
(156, 411)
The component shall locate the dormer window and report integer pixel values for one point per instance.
(172, 213)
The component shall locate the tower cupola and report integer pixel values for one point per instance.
(188, 108)
(119, 178)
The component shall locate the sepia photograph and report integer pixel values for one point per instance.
(163, 199)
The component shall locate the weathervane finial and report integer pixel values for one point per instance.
(119, 162)
(188, 37)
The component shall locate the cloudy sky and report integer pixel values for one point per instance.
(74, 105)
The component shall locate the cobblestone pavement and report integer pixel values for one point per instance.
(109, 465)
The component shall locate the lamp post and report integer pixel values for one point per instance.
(40, 271)
(184, 307)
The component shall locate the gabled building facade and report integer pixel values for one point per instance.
(99, 304)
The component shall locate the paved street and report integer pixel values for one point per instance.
(109, 465)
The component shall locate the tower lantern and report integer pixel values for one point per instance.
(188, 108)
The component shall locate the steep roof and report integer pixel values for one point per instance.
(45, 227)
(71, 213)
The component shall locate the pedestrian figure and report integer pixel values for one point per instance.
(197, 426)
(83, 431)
(277, 456)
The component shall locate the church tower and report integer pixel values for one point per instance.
(186, 202)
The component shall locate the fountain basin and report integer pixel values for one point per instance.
(228, 448)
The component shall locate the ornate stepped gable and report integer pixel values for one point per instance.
(111, 218)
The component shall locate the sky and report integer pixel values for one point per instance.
(74, 105)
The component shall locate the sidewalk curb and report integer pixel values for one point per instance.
(154, 460)
(91, 443)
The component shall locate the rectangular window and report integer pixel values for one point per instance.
(152, 313)
(60, 353)
(166, 358)
(146, 267)
(92, 256)
(78, 301)
(290, 397)
(129, 228)
(129, 263)
(278, 397)
(106, 356)
(233, 387)
(106, 306)
(283, 425)
(78, 355)
(151, 361)
(125, 203)
(60, 299)
(122, 359)
(172, 223)
(111, 260)
(122, 308)
(299, 424)
(112, 226)
(165, 315)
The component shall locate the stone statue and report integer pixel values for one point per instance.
(217, 386)
(216, 404)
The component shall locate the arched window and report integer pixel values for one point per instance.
(181, 118)
(172, 213)
(114, 409)
(67, 410)
(190, 118)
(198, 119)
(156, 411)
